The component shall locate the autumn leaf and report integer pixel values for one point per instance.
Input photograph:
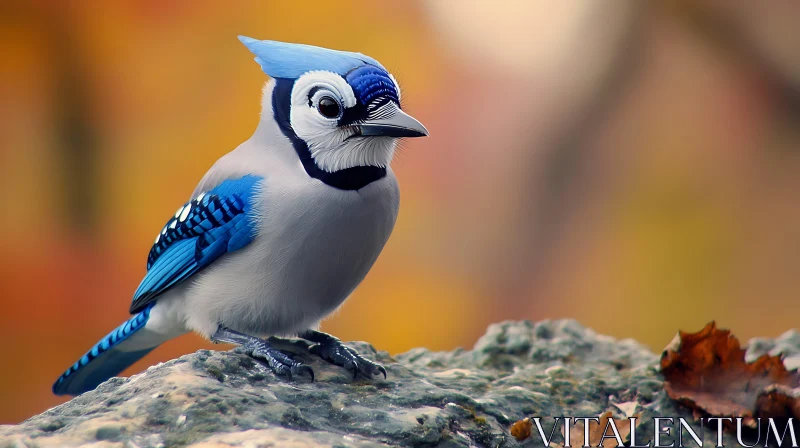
(707, 372)
(521, 429)
(778, 401)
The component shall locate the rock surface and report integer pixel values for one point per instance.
(452, 399)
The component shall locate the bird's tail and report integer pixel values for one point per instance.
(122, 347)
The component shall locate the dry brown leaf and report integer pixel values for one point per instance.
(706, 371)
(623, 427)
(778, 401)
(521, 429)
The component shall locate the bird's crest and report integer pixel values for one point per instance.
(285, 60)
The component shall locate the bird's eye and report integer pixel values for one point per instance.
(328, 107)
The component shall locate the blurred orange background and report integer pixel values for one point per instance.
(636, 168)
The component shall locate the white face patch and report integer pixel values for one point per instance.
(328, 143)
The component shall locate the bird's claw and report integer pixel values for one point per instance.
(337, 353)
(299, 369)
(279, 362)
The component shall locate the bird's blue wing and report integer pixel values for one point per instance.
(214, 223)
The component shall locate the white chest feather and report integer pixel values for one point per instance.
(315, 245)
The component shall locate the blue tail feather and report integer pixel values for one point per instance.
(105, 359)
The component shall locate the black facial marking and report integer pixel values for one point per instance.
(373, 88)
(353, 115)
(353, 178)
(311, 93)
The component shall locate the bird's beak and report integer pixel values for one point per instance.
(399, 124)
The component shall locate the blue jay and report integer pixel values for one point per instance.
(280, 231)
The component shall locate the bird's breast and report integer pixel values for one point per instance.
(314, 245)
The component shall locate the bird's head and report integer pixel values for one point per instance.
(342, 108)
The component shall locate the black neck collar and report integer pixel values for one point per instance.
(347, 179)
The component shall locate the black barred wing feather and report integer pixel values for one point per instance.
(214, 223)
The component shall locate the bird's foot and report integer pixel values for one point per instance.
(332, 350)
(279, 362)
